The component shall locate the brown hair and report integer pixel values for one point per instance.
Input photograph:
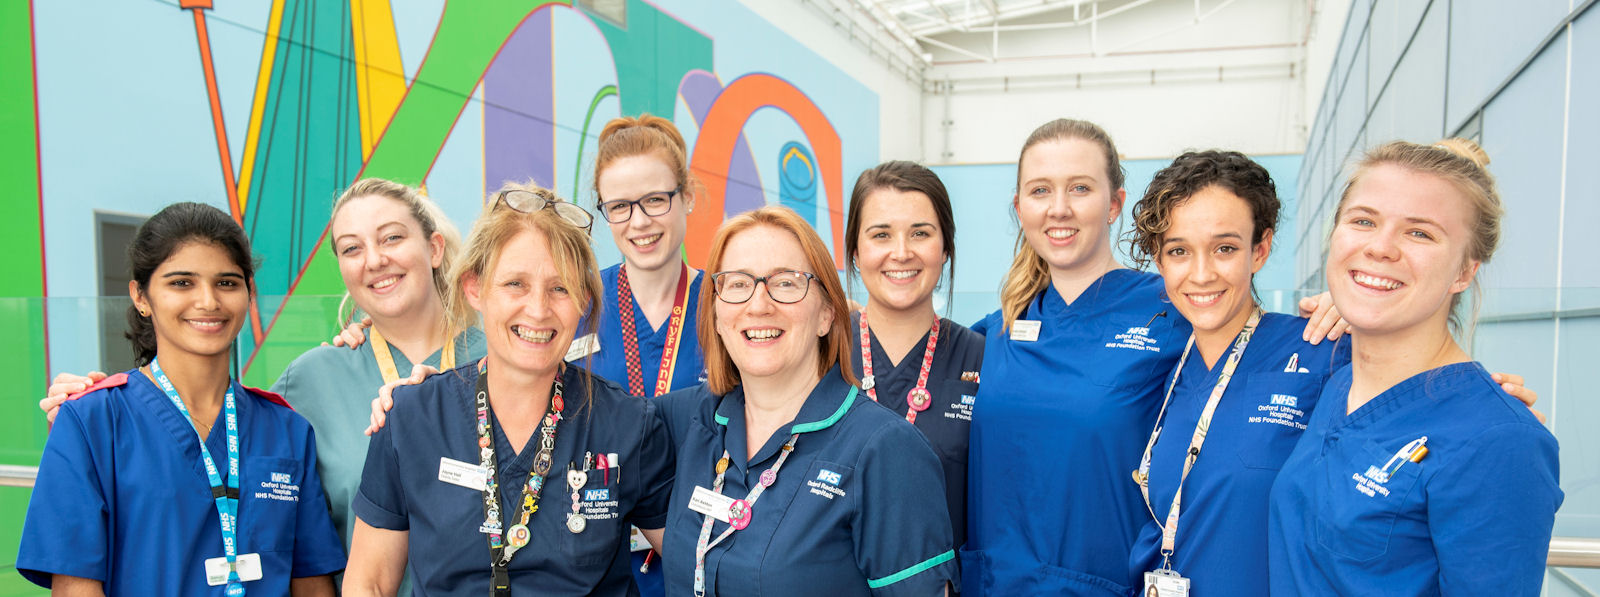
(905, 177)
(1464, 165)
(628, 136)
(1029, 274)
(1189, 174)
(722, 375)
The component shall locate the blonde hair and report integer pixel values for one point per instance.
(569, 246)
(722, 374)
(628, 136)
(1464, 165)
(430, 218)
(1029, 274)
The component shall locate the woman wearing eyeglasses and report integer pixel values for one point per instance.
(789, 480)
(519, 449)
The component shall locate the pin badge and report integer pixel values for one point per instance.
(519, 536)
(868, 382)
(739, 514)
(768, 477)
(919, 399)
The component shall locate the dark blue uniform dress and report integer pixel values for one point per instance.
(401, 490)
(959, 352)
(1222, 532)
(857, 509)
(122, 496)
(1059, 426)
(1472, 517)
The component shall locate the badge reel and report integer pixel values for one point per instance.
(1164, 582)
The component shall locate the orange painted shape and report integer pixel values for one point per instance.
(189, 4)
(713, 152)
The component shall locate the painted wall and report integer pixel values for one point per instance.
(1524, 81)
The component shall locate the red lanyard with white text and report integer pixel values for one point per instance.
(630, 338)
(1169, 531)
(918, 398)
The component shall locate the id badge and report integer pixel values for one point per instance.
(1164, 583)
(249, 567)
(710, 503)
(636, 540)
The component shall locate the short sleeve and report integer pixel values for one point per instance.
(1491, 514)
(68, 525)
(903, 541)
(657, 459)
(317, 547)
(380, 501)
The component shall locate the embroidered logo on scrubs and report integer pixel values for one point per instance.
(1136, 338)
(596, 495)
(1371, 482)
(826, 484)
(281, 488)
(1281, 409)
(961, 409)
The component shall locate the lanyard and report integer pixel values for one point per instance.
(226, 495)
(630, 338)
(918, 398)
(739, 513)
(380, 351)
(518, 535)
(1169, 531)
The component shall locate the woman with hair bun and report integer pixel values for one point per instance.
(1417, 476)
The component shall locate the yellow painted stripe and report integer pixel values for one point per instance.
(380, 75)
(258, 106)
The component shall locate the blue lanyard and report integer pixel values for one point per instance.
(227, 496)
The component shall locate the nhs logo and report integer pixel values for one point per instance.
(596, 495)
(830, 477)
(280, 478)
(1285, 400)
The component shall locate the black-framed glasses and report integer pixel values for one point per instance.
(528, 202)
(787, 287)
(618, 211)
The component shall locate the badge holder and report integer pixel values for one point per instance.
(1164, 582)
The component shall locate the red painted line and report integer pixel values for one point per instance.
(38, 173)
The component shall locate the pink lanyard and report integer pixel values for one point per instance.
(918, 398)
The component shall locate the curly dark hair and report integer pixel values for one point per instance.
(1189, 174)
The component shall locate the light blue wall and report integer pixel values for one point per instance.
(1522, 78)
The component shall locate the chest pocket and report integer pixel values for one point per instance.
(1272, 411)
(269, 496)
(1352, 523)
(947, 421)
(600, 505)
(1125, 351)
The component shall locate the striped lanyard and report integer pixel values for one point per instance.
(630, 337)
(918, 399)
(225, 494)
(515, 538)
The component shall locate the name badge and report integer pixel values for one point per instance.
(636, 540)
(248, 566)
(710, 503)
(1164, 583)
(456, 472)
(1025, 330)
(583, 347)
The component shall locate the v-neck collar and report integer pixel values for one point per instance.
(825, 405)
(1399, 396)
(183, 431)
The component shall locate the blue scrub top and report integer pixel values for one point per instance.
(857, 509)
(122, 496)
(1059, 426)
(1473, 517)
(401, 490)
(611, 362)
(949, 414)
(1223, 523)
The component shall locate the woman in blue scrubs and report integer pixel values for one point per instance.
(790, 481)
(520, 448)
(1075, 361)
(899, 236)
(230, 468)
(1418, 476)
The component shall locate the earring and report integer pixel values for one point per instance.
(143, 313)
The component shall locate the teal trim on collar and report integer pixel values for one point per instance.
(833, 418)
(721, 420)
(912, 571)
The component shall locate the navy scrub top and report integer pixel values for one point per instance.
(1473, 517)
(1059, 426)
(401, 490)
(610, 360)
(949, 414)
(122, 496)
(1223, 523)
(857, 509)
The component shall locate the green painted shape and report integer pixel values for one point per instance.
(583, 136)
(468, 37)
(652, 52)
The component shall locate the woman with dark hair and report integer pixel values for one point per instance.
(227, 471)
(900, 236)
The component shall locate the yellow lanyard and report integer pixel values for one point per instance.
(380, 350)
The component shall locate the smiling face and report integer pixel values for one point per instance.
(1207, 260)
(1066, 203)
(647, 243)
(1397, 256)
(900, 251)
(765, 338)
(529, 312)
(385, 257)
(197, 300)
